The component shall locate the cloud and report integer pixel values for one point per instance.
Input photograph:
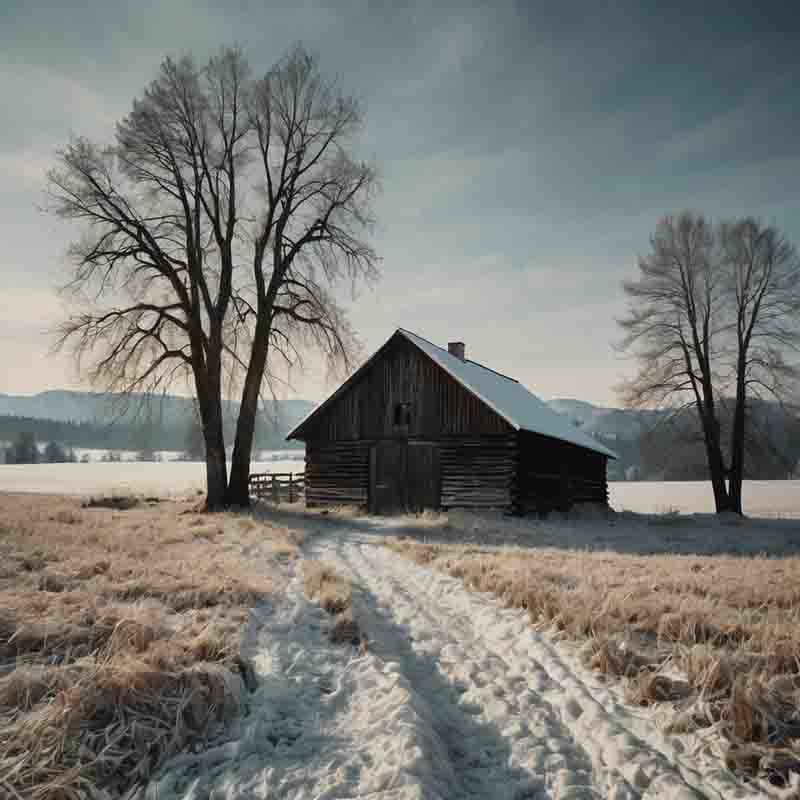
(29, 308)
(28, 317)
(527, 152)
(26, 165)
(754, 129)
(47, 106)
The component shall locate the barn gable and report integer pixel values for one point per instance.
(400, 392)
(522, 409)
(364, 405)
(419, 427)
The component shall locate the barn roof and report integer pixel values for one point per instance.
(505, 396)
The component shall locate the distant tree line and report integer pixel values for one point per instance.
(673, 449)
(669, 450)
(25, 450)
(144, 437)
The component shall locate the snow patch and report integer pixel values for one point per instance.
(456, 697)
(519, 717)
(324, 722)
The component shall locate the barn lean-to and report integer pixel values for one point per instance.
(418, 427)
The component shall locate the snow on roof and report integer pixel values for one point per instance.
(508, 398)
(505, 396)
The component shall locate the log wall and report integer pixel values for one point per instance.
(337, 473)
(553, 474)
(475, 472)
(478, 472)
(482, 461)
(522, 472)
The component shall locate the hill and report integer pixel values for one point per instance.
(102, 408)
(651, 445)
(610, 423)
(660, 445)
(168, 422)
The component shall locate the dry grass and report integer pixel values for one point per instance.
(115, 502)
(718, 636)
(119, 636)
(334, 593)
(322, 583)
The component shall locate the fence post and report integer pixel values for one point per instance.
(275, 491)
(291, 488)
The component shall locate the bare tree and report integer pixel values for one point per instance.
(713, 318)
(672, 324)
(317, 201)
(214, 228)
(763, 295)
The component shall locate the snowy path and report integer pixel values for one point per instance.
(517, 718)
(455, 698)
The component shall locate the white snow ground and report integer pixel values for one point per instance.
(455, 697)
(167, 478)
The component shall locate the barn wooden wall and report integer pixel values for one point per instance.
(402, 374)
(523, 472)
(337, 473)
(553, 474)
(474, 472)
(484, 462)
(478, 471)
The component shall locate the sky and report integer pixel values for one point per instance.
(526, 152)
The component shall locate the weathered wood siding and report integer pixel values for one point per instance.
(553, 474)
(473, 472)
(337, 473)
(405, 475)
(438, 406)
(478, 472)
(480, 460)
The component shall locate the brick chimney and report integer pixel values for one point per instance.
(456, 349)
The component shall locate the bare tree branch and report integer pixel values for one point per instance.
(714, 317)
(215, 231)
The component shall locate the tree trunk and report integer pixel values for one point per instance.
(216, 477)
(716, 464)
(737, 445)
(238, 488)
(735, 493)
(208, 388)
(216, 466)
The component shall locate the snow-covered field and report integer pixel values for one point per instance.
(100, 454)
(171, 477)
(138, 477)
(455, 697)
(760, 498)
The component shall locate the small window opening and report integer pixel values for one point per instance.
(402, 414)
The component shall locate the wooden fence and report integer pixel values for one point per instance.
(278, 486)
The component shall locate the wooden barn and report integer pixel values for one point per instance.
(419, 427)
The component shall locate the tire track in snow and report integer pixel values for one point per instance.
(323, 724)
(516, 750)
(473, 660)
(480, 756)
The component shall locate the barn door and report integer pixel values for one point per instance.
(388, 477)
(404, 476)
(422, 476)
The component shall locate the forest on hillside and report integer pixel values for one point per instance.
(144, 437)
(667, 448)
(671, 447)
